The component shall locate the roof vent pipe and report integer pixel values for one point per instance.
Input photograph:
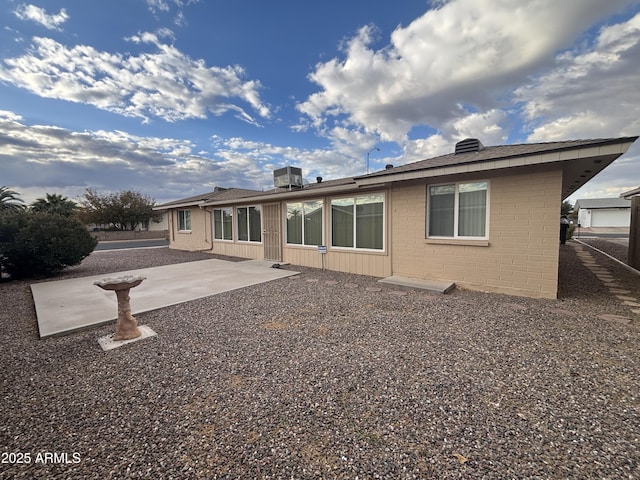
(388, 166)
(469, 145)
(319, 179)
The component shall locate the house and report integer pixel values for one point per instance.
(633, 256)
(456, 217)
(603, 212)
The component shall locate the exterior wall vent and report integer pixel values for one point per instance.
(469, 145)
(287, 177)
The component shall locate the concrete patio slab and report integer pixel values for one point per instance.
(66, 305)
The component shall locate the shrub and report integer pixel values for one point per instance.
(42, 244)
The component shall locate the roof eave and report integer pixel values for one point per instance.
(293, 194)
(630, 194)
(179, 205)
(606, 151)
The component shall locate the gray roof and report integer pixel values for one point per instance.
(576, 169)
(595, 203)
(496, 153)
(217, 194)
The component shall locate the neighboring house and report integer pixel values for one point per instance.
(631, 193)
(633, 256)
(603, 212)
(162, 225)
(457, 217)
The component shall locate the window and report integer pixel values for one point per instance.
(304, 223)
(222, 224)
(358, 222)
(184, 220)
(458, 210)
(249, 224)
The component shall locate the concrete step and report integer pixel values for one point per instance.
(430, 285)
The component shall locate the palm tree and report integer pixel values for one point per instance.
(9, 200)
(54, 204)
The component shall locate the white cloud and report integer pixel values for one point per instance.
(466, 52)
(39, 15)
(161, 5)
(165, 6)
(39, 159)
(591, 93)
(254, 161)
(166, 83)
(36, 157)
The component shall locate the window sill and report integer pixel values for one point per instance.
(457, 241)
(366, 251)
(184, 231)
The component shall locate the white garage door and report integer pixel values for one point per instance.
(611, 217)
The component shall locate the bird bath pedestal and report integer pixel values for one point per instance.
(126, 326)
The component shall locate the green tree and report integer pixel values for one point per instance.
(54, 204)
(565, 208)
(124, 210)
(40, 244)
(9, 200)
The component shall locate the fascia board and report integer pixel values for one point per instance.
(294, 194)
(180, 205)
(499, 164)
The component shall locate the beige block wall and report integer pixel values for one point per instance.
(522, 255)
(363, 263)
(254, 251)
(199, 238)
(360, 263)
(373, 263)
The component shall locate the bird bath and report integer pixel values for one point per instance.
(126, 326)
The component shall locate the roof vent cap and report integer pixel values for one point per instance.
(469, 145)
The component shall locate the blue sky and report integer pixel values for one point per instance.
(174, 97)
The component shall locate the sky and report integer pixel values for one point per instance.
(171, 98)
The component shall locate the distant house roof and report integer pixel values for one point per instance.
(596, 203)
(631, 193)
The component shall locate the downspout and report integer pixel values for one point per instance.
(205, 229)
(389, 233)
(171, 225)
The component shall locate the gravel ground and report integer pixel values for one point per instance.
(615, 250)
(329, 375)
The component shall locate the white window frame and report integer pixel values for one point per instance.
(355, 223)
(237, 221)
(456, 211)
(286, 230)
(213, 222)
(184, 219)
